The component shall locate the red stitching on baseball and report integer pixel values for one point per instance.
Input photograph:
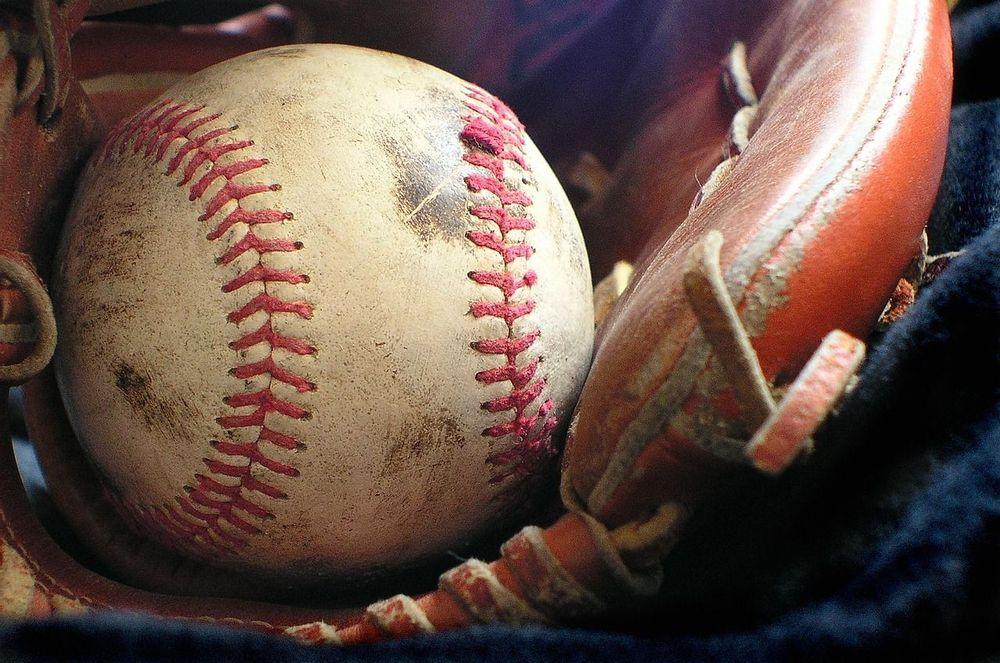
(495, 138)
(270, 304)
(224, 493)
(266, 334)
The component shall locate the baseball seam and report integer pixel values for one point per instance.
(494, 139)
(213, 498)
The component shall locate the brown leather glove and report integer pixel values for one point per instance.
(772, 167)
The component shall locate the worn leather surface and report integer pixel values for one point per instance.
(820, 215)
(38, 164)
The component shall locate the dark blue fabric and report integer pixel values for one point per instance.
(886, 545)
(969, 199)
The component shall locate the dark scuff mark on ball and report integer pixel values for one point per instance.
(430, 199)
(428, 435)
(122, 253)
(132, 384)
(157, 411)
(424, 150)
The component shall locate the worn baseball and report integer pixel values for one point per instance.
(323, 312)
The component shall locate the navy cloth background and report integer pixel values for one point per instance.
(887, 544)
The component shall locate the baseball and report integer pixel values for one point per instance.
(323, 312)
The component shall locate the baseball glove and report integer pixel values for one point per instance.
(772, 166)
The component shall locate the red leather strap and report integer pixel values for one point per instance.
(29, 330)
(570, 571)
(806, 404)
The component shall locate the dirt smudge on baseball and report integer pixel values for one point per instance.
(156, 411)
(430, 434)
(430, 198)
